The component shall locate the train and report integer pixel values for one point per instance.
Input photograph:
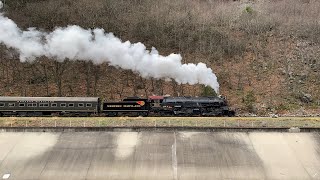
(130, 106)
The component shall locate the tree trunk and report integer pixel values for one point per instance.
(88, 71)
(96, 79)
(58, 71)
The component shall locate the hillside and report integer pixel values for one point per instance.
(265, 53)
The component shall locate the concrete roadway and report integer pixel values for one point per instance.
(159, 155)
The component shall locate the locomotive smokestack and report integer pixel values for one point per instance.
(76, 43)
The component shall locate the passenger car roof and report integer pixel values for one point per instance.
(83, 99)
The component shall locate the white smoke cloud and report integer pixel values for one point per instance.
(76, 43)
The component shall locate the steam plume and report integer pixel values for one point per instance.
(76, 43)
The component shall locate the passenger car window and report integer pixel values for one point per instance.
(21, 104)
(70, 105)
(63, 105)
(89, 105)
(80, 105)
(53, 104)
(1, 104)
(11, 104)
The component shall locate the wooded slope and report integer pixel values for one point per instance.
(265, 52)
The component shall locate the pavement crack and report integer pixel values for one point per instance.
(174, 158)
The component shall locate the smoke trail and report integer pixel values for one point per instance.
(76, 43)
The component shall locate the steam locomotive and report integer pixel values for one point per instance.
(130, 106)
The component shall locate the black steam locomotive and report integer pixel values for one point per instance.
(131, 106)
(189, 106)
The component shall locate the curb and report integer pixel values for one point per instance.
(157, 129)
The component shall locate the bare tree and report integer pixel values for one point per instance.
(87, 68)
(96, 75)
(58, 69)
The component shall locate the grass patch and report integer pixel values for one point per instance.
(159, 122)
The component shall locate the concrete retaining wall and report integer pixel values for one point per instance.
(156, 129)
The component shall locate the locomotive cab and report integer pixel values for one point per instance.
(155, 103)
